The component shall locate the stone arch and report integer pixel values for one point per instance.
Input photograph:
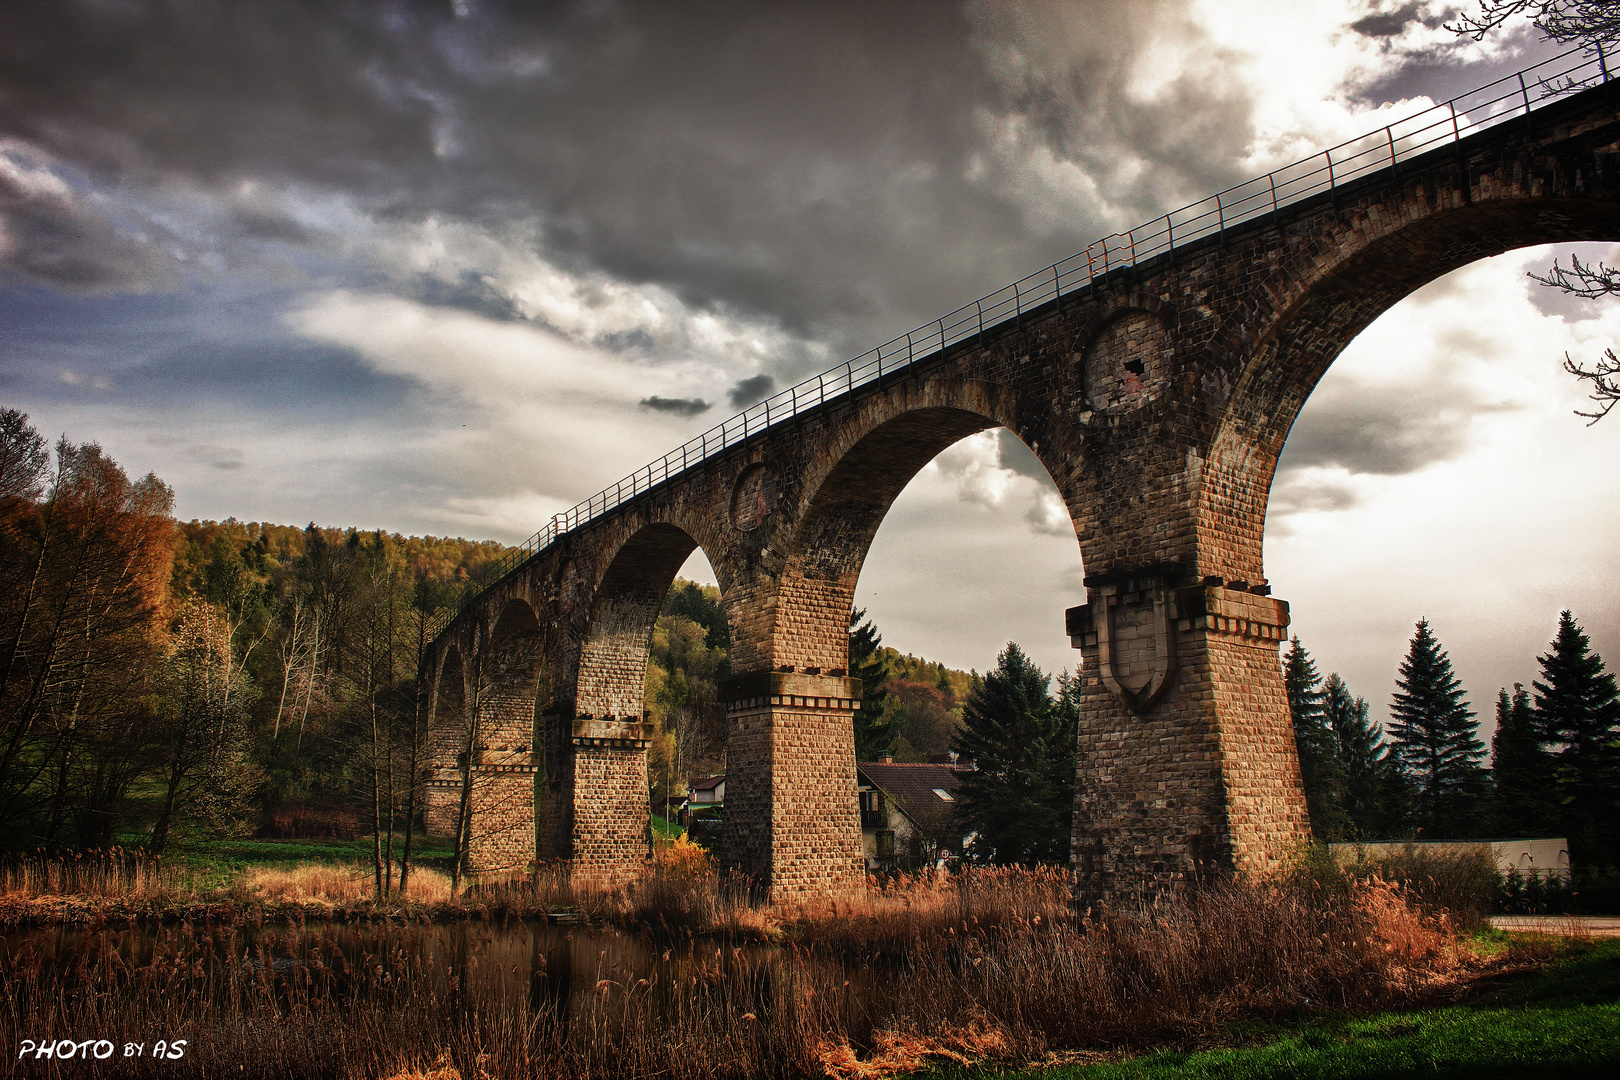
(598, 808)
(1327, 304)
(844, 498)
(791, 813)
(447, 720)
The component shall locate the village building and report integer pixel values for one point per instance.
(908, 813)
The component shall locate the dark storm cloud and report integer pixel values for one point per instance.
(847, 169)
(676, 406)
(1388, 24)
(1384, 430)
(751, 391)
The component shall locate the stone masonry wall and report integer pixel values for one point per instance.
(1158, 400)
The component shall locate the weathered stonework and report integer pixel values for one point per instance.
(1158, 399)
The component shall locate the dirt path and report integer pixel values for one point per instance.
(1573, 925)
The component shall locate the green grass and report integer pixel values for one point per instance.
(219, 862)
(665, 830)
(1562, 1022)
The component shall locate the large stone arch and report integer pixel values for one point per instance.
(791, 815)
(1326, 305)
(593, 807)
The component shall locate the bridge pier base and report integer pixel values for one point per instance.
(792, 825)
(1187, 768)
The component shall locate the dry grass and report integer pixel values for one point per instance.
(113, 873)
(340, 884)
(989, 968)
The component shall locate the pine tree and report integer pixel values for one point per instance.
(1578, 710)
(1521, 769)
(1319, 767)
(1436, 739)
(1020, 799)
(1374, 798)
(874, 733)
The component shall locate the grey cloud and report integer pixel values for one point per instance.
(217, 457)
(751, 391)
(1388, 24)
(813, 164)
(676, 406)
(1014, 456)
(1384, 430)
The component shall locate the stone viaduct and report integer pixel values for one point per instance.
(1158, 396)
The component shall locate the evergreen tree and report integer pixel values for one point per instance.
(1319, 767)
(1020, 800)
(1436, 740)
(1521, 769)
(1578, 709)
(874, 732)
(1373, 799)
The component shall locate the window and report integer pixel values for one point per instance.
(885, 844)
(942, 793)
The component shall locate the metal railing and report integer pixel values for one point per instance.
(1264, 196)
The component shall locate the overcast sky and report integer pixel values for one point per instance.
(423, 266)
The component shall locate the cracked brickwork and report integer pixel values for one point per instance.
(1158, 400)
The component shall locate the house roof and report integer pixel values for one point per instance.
(914, 788)
(708, 783)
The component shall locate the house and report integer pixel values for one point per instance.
(706, 794)
(908, 813)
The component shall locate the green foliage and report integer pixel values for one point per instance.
(874, 731)
(1321, 772)
(1521, 769)
(1577, 709)
(1376, 797)
(701, 604)
(1020, 799)
(1436, 740)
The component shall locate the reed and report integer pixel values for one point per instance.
(990, 967)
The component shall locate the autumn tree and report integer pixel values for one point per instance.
(84, 562)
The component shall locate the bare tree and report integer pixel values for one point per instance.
(1595, 24)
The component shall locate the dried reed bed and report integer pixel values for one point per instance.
(340, 884)
(114, 872)
(990, 967)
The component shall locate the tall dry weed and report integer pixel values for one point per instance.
(989, 968)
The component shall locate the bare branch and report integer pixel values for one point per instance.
(1605, 380)
(1582, 279)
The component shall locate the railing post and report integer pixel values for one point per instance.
(1276, 212)
(1057, 287)
(1220, 216)
(942, 337)
(979, 306)
(1389, 133)
(1603, 63)
(1524, 92)
(1018, 307)
(908, 350)
(1456, 129)
(1170, 235)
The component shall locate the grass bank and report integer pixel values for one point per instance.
(1559, 1020)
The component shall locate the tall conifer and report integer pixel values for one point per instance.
(1521, 769)
(1020, 799)
(1375, 799)
(1319, 768)
(874, 732)
(1436, 738)
(1578, 709)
